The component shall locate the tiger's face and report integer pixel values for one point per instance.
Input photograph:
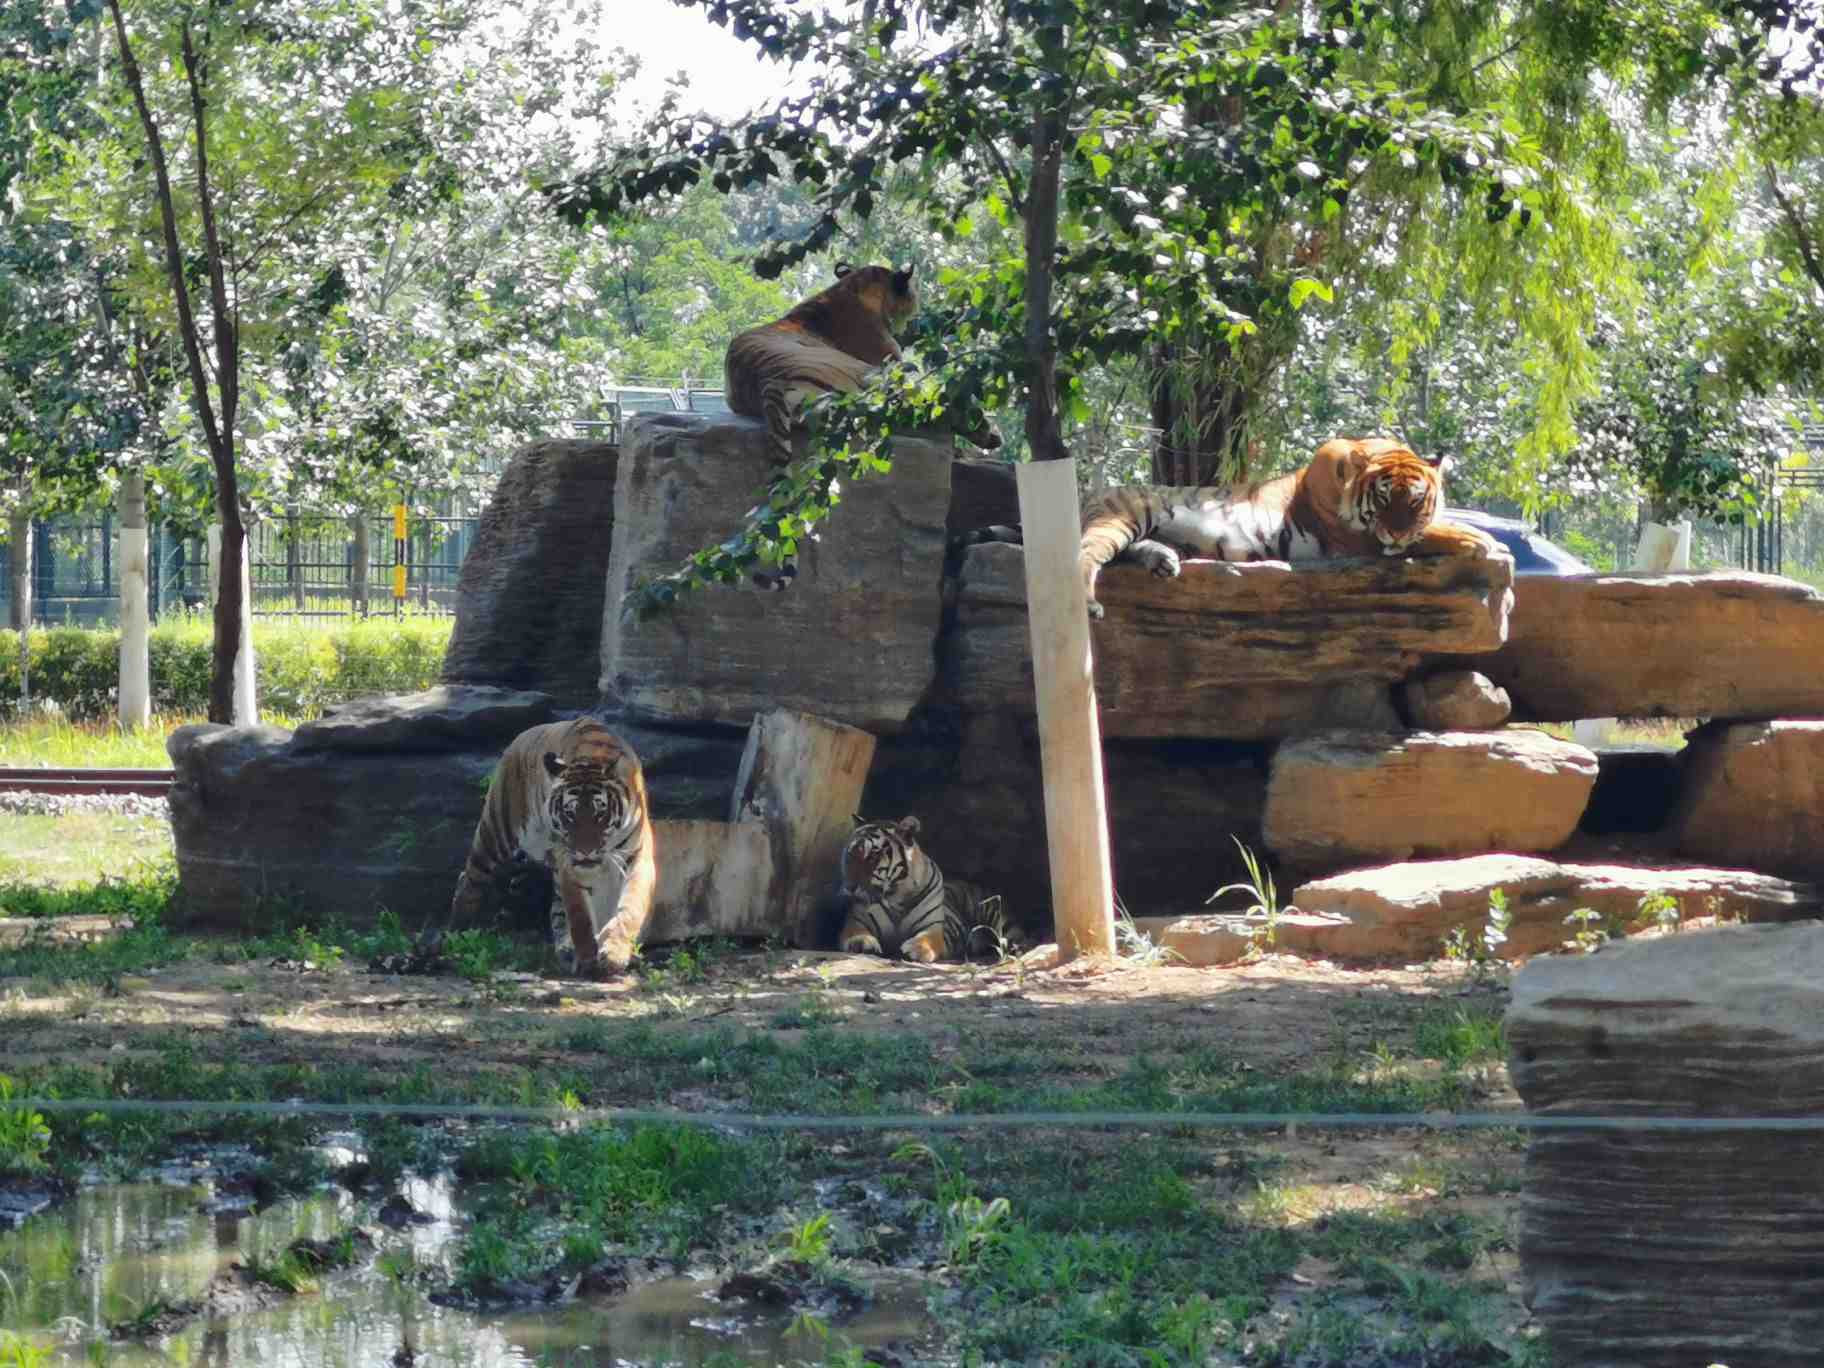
(1384, 490)
(878, 856)
(592, 808)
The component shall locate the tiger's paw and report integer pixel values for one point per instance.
(923, 949)
(1161, 560)
(1095, 611)
(862, 944)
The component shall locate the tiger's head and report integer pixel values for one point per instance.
(1378, 488)
(865, 300)
(597, 799)
(880, 856)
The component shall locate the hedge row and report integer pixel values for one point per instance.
(302, 667)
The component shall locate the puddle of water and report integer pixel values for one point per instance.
(115, 1249)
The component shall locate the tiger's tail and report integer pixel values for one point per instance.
(973, 920)
(777, 406)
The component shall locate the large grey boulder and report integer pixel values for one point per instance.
(1725, 644)
(529, 596)
(374, 806)
(852, 639)
(1753, 793)
(1673, 1248)
(1346, 798)
(1406, 910)
(1245, 652)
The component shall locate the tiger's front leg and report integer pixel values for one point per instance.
(927, 947)
(859, 933)
(1454, 539)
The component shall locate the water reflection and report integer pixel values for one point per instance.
(116, 1250)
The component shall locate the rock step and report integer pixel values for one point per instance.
(1672, 1248)
(1404, 911)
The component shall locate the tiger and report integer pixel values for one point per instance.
(1357, 497)
(898, 902)
(833, 341)
(572, 796)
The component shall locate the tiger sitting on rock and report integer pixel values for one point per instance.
(898, 902)
(1358, 497)
(570, 796)
(834, 341)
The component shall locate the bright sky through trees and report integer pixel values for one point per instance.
(727, 78)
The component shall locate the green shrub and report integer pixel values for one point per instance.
(303, 666)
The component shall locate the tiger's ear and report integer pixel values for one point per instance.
(908, 826)
(842, 269)
(554, 766)
(902, 280)
(858, 819)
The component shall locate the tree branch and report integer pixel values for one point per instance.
(227, 372)
(1042, 433)
(1801, 231)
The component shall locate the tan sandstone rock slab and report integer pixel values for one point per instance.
(1666, 1249)
(1455, 700)
(852, 639)
(1753, 793)
(1245, 652)
(1726, 644)
(1345, 798)
(1211, 940)
(1406, 910)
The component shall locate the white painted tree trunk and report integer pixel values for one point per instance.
(1662, 547)
(246, 709)
(135, 686)
(20, 533)
(1070, 733)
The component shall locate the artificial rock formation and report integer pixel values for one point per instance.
(1406, 910)
(1754, 792)
(343, 817)
(1455, 700)
(852, 639)
(529, 597)
(1672, 1248)
(1722, 644)
(1346, 798)
(1244, 652)
(1636, 790)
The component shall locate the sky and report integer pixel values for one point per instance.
(726, 78)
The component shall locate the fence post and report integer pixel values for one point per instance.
(21, 532)
(135, 690)
(358, 570)
(398, 560)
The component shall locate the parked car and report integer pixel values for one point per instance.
(1533, 554)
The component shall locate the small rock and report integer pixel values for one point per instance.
(1456, 700)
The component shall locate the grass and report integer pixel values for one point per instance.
(1665, 732)
(48, 862)
(56, 742)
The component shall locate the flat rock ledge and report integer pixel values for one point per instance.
(1406, 910)
(1241, 652)
(1754, 792)
(1725, 644)
(854, 637)
(1350, 798)
(1666, 1249)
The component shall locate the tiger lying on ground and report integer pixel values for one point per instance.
(899, 902)
(572, 796)
(1358, 497)
(831, 342)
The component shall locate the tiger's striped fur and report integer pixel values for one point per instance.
(832, 342)
(1357, 497)
(572, 796)
(899, 903)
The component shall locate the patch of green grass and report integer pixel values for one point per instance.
(146, 945)
(1461, 1035)
(560, 1198)
(25, 1139)
(17, 1352)
(46, 857)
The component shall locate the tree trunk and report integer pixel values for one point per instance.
(19, 531)
(359, 570)
(1063, 671)
(1199, 414)
(134, 695)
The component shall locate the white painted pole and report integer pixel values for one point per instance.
(1070, 739)
(246, 705)
(135, 686)
(1662, 547)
